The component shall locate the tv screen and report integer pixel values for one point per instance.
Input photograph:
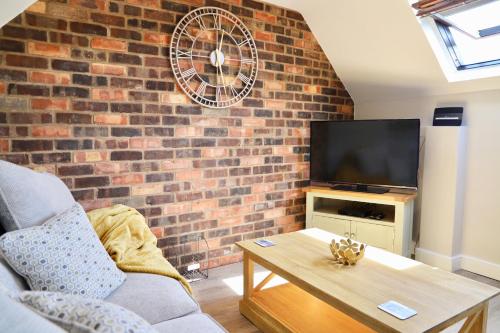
(368, 152)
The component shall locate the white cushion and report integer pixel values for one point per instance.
(28, 198)
(17, 318)
(85, 315)
(64, 254)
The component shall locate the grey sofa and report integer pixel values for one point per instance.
(29, 198)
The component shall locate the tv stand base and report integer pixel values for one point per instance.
(360, 188)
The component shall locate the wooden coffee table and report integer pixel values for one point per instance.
(322, 296)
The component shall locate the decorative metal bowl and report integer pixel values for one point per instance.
(347, 252)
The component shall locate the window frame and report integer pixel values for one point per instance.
(454, 51)
(452, 48)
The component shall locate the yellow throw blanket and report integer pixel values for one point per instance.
(126, 236)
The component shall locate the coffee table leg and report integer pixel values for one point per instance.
(479, 326)
(248, 271)
(476, 322)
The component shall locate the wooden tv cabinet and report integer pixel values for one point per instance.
(392, 233)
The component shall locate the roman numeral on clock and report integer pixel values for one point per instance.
(248, 61)
(188, 74)
(190, 37)
(244, 42)
(233, 90)
(218, 94)
(244, 78)
(217, 21)
(184, 54)
(201, 89)
(200, 22)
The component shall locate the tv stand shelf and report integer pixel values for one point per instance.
(392, 232)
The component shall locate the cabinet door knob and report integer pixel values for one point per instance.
(346, 234)
(353, 235)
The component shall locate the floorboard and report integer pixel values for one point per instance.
(220, 293)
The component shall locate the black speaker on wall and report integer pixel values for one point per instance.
(451, 116)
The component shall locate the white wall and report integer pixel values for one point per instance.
(481, 243)
(11, 8)
(379, 50)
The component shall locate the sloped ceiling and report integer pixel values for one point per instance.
(379, 49)
(12, 8)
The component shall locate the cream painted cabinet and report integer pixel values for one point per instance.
(373, 234)
(376, 235)
(337, 226)
(392, 232)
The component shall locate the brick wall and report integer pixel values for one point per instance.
(87, 93)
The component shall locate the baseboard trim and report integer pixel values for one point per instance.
(437, 259)
(480, 266)
(471, 264)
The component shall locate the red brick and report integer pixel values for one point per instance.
(2, 88)
(50, 78)
(147, 189)
(110, 119)
(128, 179)
(265, 17)
(90, 156)
(174, 98)
(108, 44)
(92, 4)
(188, 175)
(188, 131)
(156, 38)
(50, 104)
(264, 36)
(107, 69)
(64, 11)
(312, 89)
(38, 7)
(4, 145)
(145, 143)
(109, 94)
(49, 50)
(50, 131)
(146, 3)
(107, 168)
(158, 232)
(175, 164)
(293, 69)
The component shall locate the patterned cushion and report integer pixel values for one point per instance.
(79, 314)
(18, 318)
(29, 198)
(64, 254)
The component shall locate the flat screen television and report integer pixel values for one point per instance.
(364, 154)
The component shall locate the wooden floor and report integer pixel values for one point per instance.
(219, 296)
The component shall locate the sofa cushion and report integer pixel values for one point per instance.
(10, 279)
(17, 318)
(156, 298)
(28, 198)
(189, 324)
(84, 315)
(64, 254)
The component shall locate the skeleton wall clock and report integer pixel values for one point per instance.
(213, 57)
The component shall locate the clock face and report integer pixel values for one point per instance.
(213, 57)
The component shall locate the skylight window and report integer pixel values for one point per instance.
(472, 33)
(469, 29)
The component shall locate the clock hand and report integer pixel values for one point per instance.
(220, 44)
(208, 57)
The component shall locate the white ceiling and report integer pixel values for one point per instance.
(379, 49)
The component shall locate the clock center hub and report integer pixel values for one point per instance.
(216, 58)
